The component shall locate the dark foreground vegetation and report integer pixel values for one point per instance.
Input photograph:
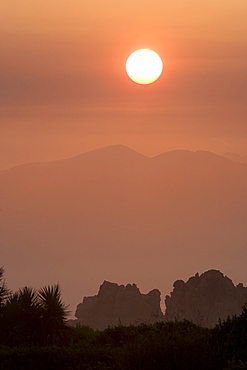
(34, 335)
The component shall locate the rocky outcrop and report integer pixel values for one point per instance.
(204, 299)
(118, 304)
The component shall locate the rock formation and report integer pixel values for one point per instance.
(118, 304)
(204, 299)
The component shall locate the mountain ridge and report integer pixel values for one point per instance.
(112, 150)
(94, 219)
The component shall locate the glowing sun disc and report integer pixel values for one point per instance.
(144, 66)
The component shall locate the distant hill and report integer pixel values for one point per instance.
(114, 214)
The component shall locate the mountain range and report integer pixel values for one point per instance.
(114, 214)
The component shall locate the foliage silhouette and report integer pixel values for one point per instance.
(53, 314)
(34, 335)
(4, 291)
(28, 317)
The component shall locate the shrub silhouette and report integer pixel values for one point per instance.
(53, 315)
(30, 317)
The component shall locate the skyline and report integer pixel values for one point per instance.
(64, 89)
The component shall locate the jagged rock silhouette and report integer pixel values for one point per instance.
(118, 304)
(204, 299)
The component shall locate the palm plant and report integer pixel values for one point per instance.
(30, 312)
(4, 291)
(12, 327)
(31, 317)
(4, 294)
(22, 316)
(54, 313)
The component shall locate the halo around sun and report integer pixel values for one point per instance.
(144, 66)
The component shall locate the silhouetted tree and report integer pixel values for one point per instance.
(30, 317)
(12, 329)
(21, 318)
(54, 313)
(4, 291)
(4, 294)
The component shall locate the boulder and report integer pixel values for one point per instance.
(205, 299)
(118, 304)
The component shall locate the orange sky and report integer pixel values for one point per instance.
(64, 90)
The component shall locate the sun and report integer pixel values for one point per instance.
(144, 66)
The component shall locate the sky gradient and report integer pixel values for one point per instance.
(64, 89)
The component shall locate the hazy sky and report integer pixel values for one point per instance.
(64, 90)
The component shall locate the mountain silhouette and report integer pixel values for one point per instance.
(114, 214)
(235, 157)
